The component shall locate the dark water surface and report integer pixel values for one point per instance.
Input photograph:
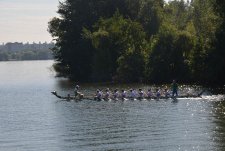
(31, 119)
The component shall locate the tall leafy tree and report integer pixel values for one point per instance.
(206, 23)
(217, 55)
(119, 44)
(178, 13)
(168, 58)
(72, 52)
(150, 15)
(151, 38)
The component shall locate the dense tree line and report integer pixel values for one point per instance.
(43, 54)
(140, 40)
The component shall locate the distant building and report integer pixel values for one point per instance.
(13, 46)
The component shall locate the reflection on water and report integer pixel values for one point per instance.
(219, 120)
(33, 119)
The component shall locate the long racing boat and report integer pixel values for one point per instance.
(83, 97)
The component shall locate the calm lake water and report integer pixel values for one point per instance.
(31, 119)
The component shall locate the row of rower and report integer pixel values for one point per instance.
(131, 94)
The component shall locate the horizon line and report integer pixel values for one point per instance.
(30, 42)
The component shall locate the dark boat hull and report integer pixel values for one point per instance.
(77, 98)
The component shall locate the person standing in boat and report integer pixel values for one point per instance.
(77, 94)
(76, 90)
(174, 88)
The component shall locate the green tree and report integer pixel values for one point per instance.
(151, 38)
(28, 55)
(206, 23)
(150, 15)
(169, 56)
(3, 56)
(178, 13)
(216, 57)
(72, 51)
(119, 47)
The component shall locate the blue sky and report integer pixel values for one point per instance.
(26, 20)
